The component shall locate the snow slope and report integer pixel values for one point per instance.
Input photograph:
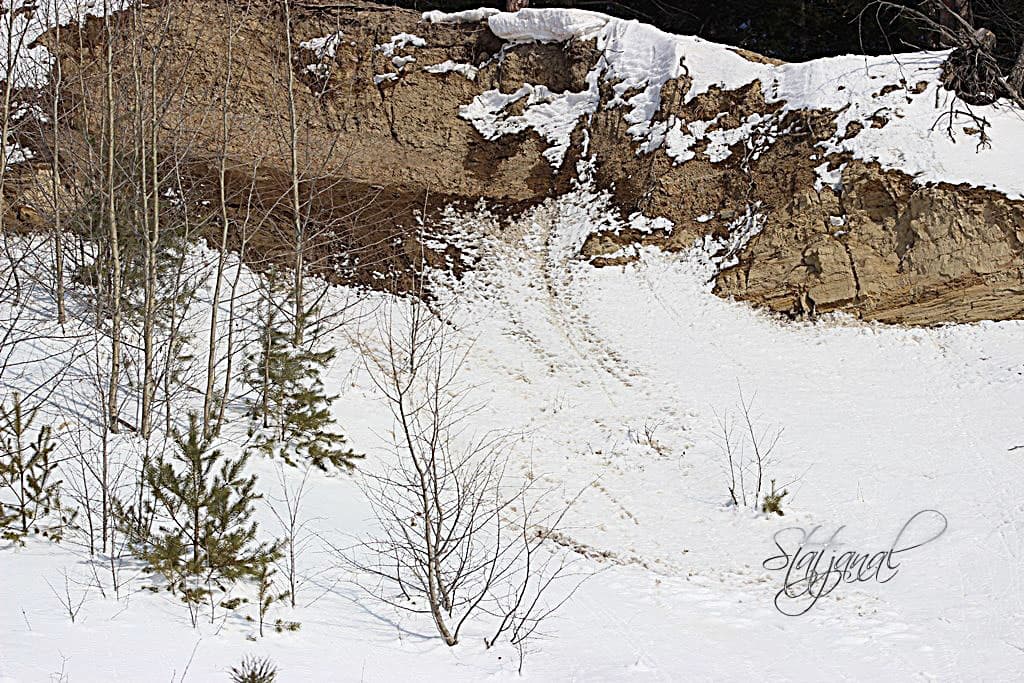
(879, 423)
(615, 377)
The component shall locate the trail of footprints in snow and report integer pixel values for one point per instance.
(564, 316)
(549, 274)
(626, 514)
(603, 555)
(567, 317)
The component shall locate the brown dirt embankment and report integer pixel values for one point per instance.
(385, 151)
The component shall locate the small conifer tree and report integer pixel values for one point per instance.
(253, 670)
(292, 407)
(267, 596)
(206, 537)
(29, 495)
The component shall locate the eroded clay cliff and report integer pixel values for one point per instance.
(380, 117)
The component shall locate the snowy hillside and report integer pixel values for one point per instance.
(620, 394)
(880, 423)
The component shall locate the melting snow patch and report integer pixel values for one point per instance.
(22, 110)
(897, 124)
(825, 178)
(16, 154)
(912, 135)
(325, 46)
(448, 66)
(718, 253)
(325, 49)
(23, 21)
(720, 141)
(646, 224)
(635, 58)
(679, 144)
(531, 25)
(757, 131)
(552, 115)
(470, 16)
(400, 42)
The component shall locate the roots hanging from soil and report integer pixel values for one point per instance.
(972, 72)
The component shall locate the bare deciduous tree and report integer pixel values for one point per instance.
(748, 451)
(210, 424)
(295, 534)
(110, 113)
(72, 600)
(457, 541)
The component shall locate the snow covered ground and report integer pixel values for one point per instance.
(880, 423)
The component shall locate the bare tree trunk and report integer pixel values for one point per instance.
(95, 172)
(211, 356)
(1016, 78)
(174, 320)
(152, 246)
(267, 347)
(293, 527)
(229, 351)
(105, 491)
(58, 236)
(115, 251)
(143, 223)
(14, 50)
(298, 226)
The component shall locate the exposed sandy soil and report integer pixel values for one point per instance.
(384, 153)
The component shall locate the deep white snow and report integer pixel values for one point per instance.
(880, 423)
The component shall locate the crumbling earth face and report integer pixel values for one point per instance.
(902, 253)
(380, 121)
(874, 243)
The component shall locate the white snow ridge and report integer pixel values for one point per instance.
(637, 60)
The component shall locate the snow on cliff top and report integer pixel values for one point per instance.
(927, 134)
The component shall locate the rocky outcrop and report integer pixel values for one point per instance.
(900, 253)
(382, 125)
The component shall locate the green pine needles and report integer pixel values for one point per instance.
(292, 411)
(267, 596)
(205, 539)
(254, 670)
(29, 491)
